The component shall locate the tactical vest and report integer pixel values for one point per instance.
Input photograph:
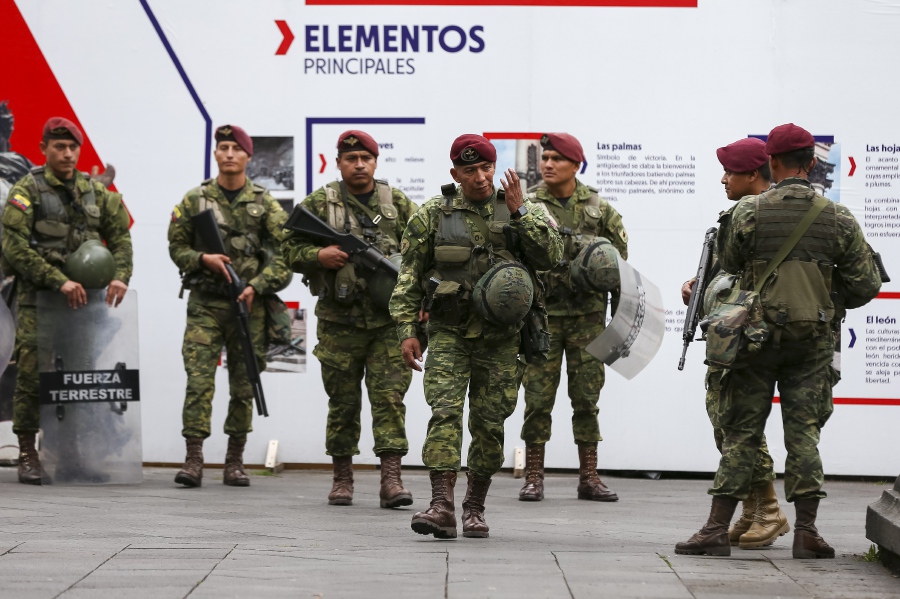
(575, 237)
(244, 241)
(59, 229)
(462, 256)
(797, 297)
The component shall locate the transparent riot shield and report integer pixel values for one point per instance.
(7, 335)
(89, 388)
(636, 331)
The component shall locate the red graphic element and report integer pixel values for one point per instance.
(292, 305)
(852, 167)
(41, 98)
(324, 163)
(857, 401)
(617, 3)
(494, 135)
(287, 40)
(888, 295)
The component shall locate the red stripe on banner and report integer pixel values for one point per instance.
(292, 305)
(888, 295)
(513, 135)
(610, 3)
(857, 401)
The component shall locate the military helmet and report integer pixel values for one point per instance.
(596, 267)
(720, 283)
(504, 293)
(91, 264)
(381, 284)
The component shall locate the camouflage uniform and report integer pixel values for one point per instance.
(253, 220)
(472, 353)
(798, 359)
(356, 339)
(576, 319)
(39, 267)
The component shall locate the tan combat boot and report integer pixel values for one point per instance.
(533, 489)
(191, 475)
(30, 472)
(712, 539)
(342, 486)
(439, 519)
(473, 523)
(392, 493)
(589, 484)
(745, 521)
(234, 475)
(769, 522)
(807, 542)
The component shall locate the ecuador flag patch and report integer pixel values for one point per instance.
(20, 201)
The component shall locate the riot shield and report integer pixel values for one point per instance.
(89, 388)
(7, 335)
(636, 331)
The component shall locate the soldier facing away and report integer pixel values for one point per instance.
(61, 211)
(762, 521)
(828, 269)
(459, 256)
(356, 336)
(577, 316)
(250, 221)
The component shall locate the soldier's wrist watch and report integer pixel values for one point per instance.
(522, 211)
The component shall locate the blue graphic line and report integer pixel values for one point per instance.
(822, 139)
(187, 83)
(346, 120)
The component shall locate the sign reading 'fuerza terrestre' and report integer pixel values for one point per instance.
(89, 386)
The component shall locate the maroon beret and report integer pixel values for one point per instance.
(472, 149)
(60, 128)
(744, 155)
(355, 140)
(565, 144)
(237, 135)
(787, 138)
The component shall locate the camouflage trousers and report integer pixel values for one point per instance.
(26, 399)
(347, 354)
(569, 334)
(763, 467)
(211, 324)
(804, 375)
(492, 372)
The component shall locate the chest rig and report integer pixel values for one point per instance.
(575, 235)
(60, 227)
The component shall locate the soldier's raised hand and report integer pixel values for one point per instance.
(513, 188)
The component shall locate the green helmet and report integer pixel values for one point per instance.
(504, 294)
(91, 264)
(381, 284)
(596, 267)
(720, 283)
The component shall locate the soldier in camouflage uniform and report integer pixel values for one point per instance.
(762, 521)
(830, 260)
(356, 335)
(577, 317)
(449, 244)
(250, 221)
(59, 208)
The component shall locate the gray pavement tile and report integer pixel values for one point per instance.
(174, 553)
(121, 579)
(134, 563)
(628, 576)
(157, 592)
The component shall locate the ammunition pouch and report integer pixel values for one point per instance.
(347, 286)
(797, 299)
(735, 329)
(450, 303)
(534, 343)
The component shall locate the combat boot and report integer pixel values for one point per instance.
(342, 485)
(473, 523)
(745, 521)
(191, 475)
(589, 484)
(439, 519)
(712, 539)
(234, 475)
(769, 522)
(392, 493)
(533, 489)
(807, 542)
(30, 472)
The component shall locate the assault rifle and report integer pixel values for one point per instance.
(692, 316)
(208, 232)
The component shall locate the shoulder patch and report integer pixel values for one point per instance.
(176, 214)
(21, 202)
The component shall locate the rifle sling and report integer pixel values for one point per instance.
(380, 221)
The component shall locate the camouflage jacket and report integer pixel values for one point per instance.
(301, 254)
(20, 214)
(564, 302)
(541, 249)
(252, 224)
(855, 280)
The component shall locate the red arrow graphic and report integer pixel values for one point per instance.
(288, 38)
(324, 163)
(852, 167)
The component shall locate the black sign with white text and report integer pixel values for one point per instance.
(89, 386)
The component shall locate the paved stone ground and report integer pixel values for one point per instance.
(278, 538)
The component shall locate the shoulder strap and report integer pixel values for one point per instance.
(382, 223)
(791, 241)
